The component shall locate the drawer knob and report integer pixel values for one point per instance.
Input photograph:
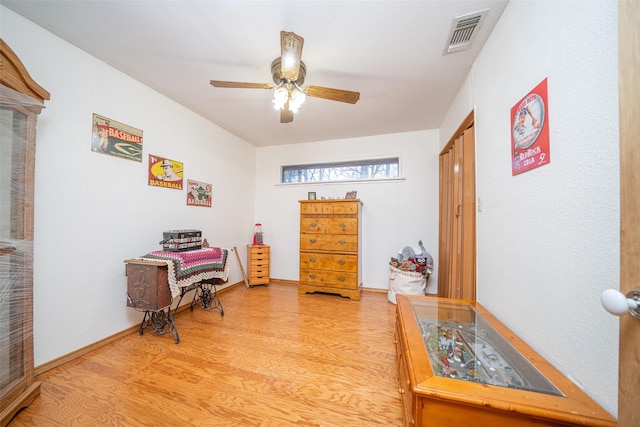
(341, 279)
(342, 242)
(313, 240)
(343, 225)
(342, 262)
(312, 276)
(312, 260)
(313, 224)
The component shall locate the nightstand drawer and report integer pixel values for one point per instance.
(261, 260)
(258, 251)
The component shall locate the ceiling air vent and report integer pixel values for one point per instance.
(463, 30)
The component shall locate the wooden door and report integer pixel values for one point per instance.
(457, 246)
(629, 88)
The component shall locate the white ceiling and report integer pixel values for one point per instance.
(392, 52)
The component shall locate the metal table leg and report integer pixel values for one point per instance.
(159, 323)
(207, 294)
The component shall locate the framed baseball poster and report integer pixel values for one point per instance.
(530, 131)
(116, 139)
(199, 193)
(165, 172)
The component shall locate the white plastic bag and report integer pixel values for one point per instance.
(405, 282)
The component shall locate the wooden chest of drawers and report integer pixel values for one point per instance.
(258, 264)
(330, 247)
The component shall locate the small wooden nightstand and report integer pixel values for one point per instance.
(258, 265)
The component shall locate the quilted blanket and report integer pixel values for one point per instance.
(190, 267)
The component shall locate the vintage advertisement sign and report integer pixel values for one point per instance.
(116, 139)
(530, 131)
(199, 193)
(165, 172)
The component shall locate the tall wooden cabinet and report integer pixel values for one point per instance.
(21, 100)
(330, 255)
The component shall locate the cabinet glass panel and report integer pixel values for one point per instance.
(462, 345)
(15, 250)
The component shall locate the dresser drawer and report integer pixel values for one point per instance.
(336, 279)
(342, 226)
(329, 225)
(311, 208)
(258, 251)
(259, 272)
(313, 225)
(262, 260)
(329, 242)
(334, 262)
(342, 208)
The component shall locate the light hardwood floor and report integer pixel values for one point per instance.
(276, 358)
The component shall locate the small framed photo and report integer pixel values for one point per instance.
(311, 195)
(351, 195)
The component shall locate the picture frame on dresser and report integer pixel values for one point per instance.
(311, 195)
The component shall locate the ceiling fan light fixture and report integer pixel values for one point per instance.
(288, 73)
(291, 54)
(296, 99)
(280, 97)
(288, 97)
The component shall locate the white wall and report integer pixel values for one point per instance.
(93, 211)
(395, 214)
(548, 239)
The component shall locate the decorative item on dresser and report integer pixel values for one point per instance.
(330, 247)
(258, 265)
(459, 365)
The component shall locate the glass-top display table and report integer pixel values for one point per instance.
(458, 365)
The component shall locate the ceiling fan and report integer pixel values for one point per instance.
(288, 73)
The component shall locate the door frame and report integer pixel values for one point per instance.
(629, 108)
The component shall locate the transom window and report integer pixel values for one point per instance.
(358, 170)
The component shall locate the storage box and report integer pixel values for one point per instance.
(181, 240)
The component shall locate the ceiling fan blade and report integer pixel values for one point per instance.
(333, 94)
(240, 85)
(291, 54)
(286, 115)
